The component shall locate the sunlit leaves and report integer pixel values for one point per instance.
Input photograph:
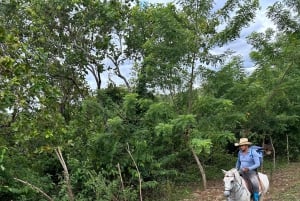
(164, 130)
(201, 146)
(115, 125)
(184, 122)
(130, 104)
(2, 155)
(159, 112)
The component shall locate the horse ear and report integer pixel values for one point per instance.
(224, 171)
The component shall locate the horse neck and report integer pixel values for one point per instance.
(239, 191)
(238, 177)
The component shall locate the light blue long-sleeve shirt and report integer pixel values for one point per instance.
(249, 160)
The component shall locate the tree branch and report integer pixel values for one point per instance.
(139, 174)
(66, 173)
(35, 188)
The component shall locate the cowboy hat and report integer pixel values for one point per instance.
(243, 141)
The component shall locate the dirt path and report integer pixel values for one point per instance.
(284, 186)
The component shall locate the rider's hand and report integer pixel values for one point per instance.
(245, 169)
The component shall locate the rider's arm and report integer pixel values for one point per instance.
(238, 162)
(256, 162)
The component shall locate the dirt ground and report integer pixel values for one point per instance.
(284, 186)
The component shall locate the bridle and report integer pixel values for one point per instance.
(239, 184)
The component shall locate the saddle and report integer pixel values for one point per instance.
(250, 186)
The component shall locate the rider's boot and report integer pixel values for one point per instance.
(255, 196)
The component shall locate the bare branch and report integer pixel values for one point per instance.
(66, 173)
(35, 188)
(139, 174)
(122, 183)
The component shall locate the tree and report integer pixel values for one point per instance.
(277, 73)
(77, 38)
(177, 42)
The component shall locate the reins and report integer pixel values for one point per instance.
(240, 184)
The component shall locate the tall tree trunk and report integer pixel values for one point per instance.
(66, 174)
(274, 154)
(201, 169)
(287, 149)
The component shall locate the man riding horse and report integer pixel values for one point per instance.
(247, 164)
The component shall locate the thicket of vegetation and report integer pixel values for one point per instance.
(171, 122)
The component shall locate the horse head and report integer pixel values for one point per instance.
(231, 179)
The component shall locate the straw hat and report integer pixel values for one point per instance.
(243, 141)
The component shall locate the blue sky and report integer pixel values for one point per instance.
(240, 46)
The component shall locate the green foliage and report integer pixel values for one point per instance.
(130, 104)
(159, 112)
(3, 151)
(183, 122)
(164, 130)
(158, 118)
(97, 187)
(201, 146)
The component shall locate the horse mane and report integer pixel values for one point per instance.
(236, 174)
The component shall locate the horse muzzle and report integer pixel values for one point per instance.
(226, 193)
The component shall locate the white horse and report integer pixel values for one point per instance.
(235, 187)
